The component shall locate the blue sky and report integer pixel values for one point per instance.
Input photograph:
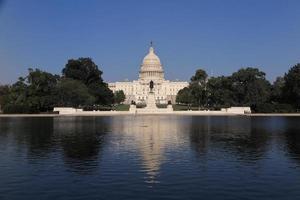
(219, 36)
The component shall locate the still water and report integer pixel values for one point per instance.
(150, 157)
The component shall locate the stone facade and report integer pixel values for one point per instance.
(151, 70)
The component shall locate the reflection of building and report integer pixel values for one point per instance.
(151, 70)
(152, 138)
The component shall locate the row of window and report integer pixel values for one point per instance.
(148, 89)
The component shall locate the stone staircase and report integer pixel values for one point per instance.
(151, 107)
(151, 104)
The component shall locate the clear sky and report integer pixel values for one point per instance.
(219, 36)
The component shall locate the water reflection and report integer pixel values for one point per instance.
(35, 133)
(292, 136)
(247, 138)
(82, 140)
(152, 137)
(244, 139)
(149, 157)
(241, 137)
(199, 133)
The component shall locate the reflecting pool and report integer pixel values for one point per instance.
(150, 157)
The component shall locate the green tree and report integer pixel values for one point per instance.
(198, 94)
(16, 100)
(198, 88)
(4, 91)
(220, 92)
(103, 95)
(184, 96)
(277, 90)
(119, 96)
(73, 93)
(33, 93)
(200, 77)
(86, 71)
(250, 87)
(83, 69)
(41, 89)
(292, 86)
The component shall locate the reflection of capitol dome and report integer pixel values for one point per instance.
(152, 137)
(151, 68)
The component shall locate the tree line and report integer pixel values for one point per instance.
(246, 87)
(80, 85)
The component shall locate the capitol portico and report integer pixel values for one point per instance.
(151, 70)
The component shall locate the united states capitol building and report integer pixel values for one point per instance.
(151, 89)
(151, 70)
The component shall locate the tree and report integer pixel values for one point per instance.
(250, 87)
(200, 77)
(219, 91)
(246, 87)
(41, 89)
(198, 88)
(277, 90)
(82, 69)
(292, 86)
(103, 95)
(198, 94)
(86, 71)
(16, 100)
(73, 93)
(119, 96)
(184, 96)
(33, 93)
(4, 91)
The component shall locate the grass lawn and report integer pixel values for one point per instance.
(122, 107)
(178, 107)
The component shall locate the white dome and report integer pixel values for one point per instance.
(151, 68)
(151, 59)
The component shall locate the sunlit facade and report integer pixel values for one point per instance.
(151, 70)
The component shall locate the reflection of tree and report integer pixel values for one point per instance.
(199, 134)
(292, 136)
(81, 140)
(245, 137)
(41, 139)
(5, 125)
(35, 133)
(293, 143)
(81, 145)
(250, 145)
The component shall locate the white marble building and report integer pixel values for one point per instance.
(151, 70)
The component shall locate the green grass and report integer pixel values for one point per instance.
(176, 107)
(161, 105)
(122, 107)
(179, 107)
